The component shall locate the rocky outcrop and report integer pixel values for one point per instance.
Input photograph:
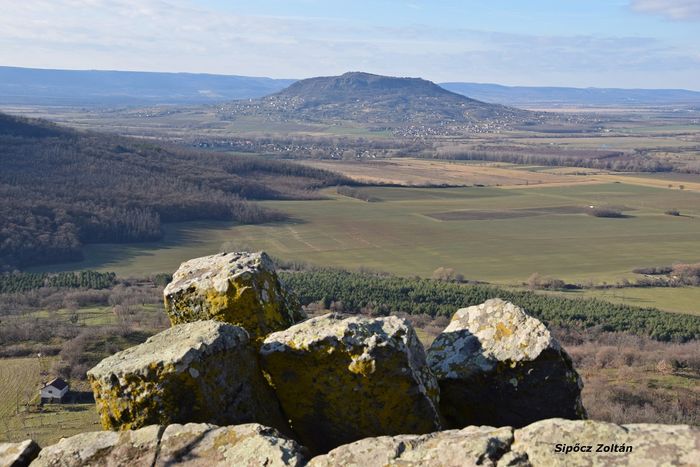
(103, 448)
(237, 288)
(205, 371)
(569, 443)
(498, 366)
(18, 454)
(193, 445)
(547, 443)
(202, 445)
(342, 379)
(454, 448)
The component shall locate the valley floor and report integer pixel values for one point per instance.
(485, 233)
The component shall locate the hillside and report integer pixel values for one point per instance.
(29, 86)
(380, 100)
(60, 189)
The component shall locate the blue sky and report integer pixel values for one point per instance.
(614, 43)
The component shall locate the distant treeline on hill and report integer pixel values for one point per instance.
(60, 189)
(381, 295)
(22, 282)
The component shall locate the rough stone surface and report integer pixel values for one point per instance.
(18, 454)
(342, 379)
(498, 366)
(193, 445)
(103, 448)
(652, 445)
(202, 445)
(470, 446)
(205, 371)
(236, 288)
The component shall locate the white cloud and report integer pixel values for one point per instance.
(674, 9)
(180, 35)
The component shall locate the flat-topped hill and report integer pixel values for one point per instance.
(367, 98)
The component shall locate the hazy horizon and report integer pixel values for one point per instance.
(647, 44)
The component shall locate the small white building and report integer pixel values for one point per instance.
(54, 391)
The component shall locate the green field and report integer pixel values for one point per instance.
(20, 381)
(497, 235)
(683, 300)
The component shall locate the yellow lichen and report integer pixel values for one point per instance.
(502, 331)
(335, 398)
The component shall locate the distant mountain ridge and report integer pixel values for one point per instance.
(31, 86)
(530, 95)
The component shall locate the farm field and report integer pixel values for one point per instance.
(19, 383)
(409, 171)
(682, 299)
(491, 234)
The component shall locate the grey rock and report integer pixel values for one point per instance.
(193, 445)
(205, 371)
(651, 445)
(470, 446)
(237, 288)
(498, 366)
(103, 449)
(342, 379)
(18, 454)
(249, 445)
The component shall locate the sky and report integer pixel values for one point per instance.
(582, 43)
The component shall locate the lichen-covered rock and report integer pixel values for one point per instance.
(193, 445)
(470, 446)
(558, 442)
(340, 380)
(236, 288)
(498, 366)
(205, 371)
(103, 449)
(250, 445)
(18, 454)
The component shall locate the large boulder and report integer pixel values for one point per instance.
(571, 443)
(103, 448)
(236, 288)
(498, 366)
(454, 448)
(18, 454)
(192, 445)
(202, 445)
(205, 371)
(342, 379)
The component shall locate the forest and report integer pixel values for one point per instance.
(384, 295)
(60, 189)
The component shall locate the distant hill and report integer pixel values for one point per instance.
(561, 96)
(367, 98)
(60, 189)
(29, 86)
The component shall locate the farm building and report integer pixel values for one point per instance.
(54, 391)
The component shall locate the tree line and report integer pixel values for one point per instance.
(382, 295)
(25, 281)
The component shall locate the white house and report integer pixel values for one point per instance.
(54, 390)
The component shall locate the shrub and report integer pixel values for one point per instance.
(606, 212)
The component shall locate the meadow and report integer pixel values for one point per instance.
(20, 380)
(485, 233)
